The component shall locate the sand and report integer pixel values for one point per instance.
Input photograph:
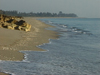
(13, 41)
(4, 74)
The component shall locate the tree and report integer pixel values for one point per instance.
(1, 12)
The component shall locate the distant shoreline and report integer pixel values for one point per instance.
(59, 17)
(67, 17)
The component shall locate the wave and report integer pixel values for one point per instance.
(65, 28)
(81, 31)
(25, 57)
(75, 30)
(26, 54)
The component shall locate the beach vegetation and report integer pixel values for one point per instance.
(38, 14)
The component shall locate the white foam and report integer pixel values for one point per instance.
(64, 26)
(25, 57)
(49, 22)
(45, 43)
(0, 61)
(8, 73)
(25, 54)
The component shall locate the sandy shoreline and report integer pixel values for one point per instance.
(4, 73)
(13, 41)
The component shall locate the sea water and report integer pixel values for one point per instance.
(75, 52)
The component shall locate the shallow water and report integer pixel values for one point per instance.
(75, 52)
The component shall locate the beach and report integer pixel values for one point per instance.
(76, 50)
(3, 74)
(14, 41)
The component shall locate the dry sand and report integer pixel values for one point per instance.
(13, 41)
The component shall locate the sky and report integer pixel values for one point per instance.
(83, 8)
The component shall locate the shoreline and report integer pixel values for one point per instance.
(14, 41)
(1, 73)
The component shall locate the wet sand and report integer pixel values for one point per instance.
(4, 74)
(13, 41)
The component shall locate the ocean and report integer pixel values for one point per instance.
(75, 52)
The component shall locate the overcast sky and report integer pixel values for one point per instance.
(83, 8)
